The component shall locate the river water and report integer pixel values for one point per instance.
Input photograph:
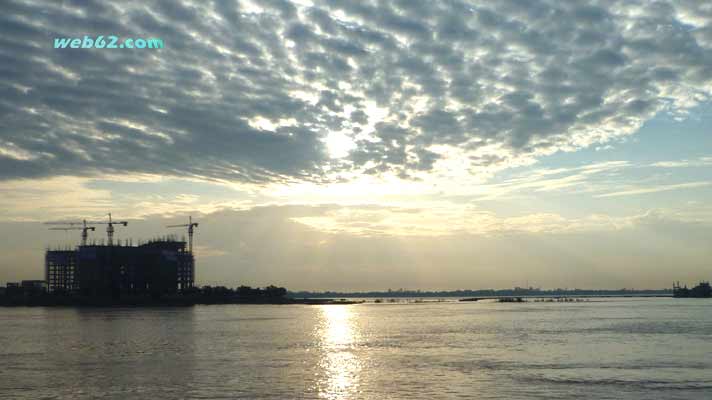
(599, 349)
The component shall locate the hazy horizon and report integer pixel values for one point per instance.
(354, 146)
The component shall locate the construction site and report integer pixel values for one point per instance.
(156, 272)
(156, 267)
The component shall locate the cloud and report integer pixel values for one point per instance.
(127, 197)
(445, 220)
(266, 245)
(584, 178)
(441, 219)
(49, 198)
(656, 189)
(251, 91)
(700, 162)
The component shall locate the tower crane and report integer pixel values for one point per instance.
(110, 228)
(84, 228)
(190, 226)
(72, 225)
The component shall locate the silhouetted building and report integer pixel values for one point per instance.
(60, 269)
(157, 267)
(13, 289)
(33, 284)
(702, 290)
(33, 287)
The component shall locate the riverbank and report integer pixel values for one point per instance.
(177, 301)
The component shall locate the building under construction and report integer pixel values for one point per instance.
(156, 267)
(160, 266)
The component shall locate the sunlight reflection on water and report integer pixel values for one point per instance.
(338, 335)
(631, 349)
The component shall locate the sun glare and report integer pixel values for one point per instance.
(340, 364)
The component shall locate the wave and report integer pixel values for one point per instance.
(638, 383)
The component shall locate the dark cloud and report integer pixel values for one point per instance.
(524, 78)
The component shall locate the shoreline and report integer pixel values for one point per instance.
(42, 301)
(175, 302)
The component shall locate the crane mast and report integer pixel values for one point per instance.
(190, 225)
(110, 228)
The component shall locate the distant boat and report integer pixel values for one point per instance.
(703, 290)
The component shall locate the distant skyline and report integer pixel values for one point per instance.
(357, 145)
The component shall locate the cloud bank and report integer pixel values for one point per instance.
(273, 91)
(271, 245)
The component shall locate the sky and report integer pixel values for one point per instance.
(361, 145)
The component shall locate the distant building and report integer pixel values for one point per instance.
(33, 284)
(33, 287)
(702, 290)
(157, 267)
(13, 289)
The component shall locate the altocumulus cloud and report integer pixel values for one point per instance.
(252, 91)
